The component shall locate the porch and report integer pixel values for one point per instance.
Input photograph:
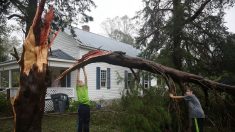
(70, 91)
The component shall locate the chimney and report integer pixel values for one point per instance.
(86, 28)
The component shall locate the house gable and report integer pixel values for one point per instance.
(96, 41)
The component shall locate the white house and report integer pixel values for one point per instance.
(102, 77)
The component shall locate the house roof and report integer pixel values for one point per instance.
(97, 41)
(65, 47)
(59, 54)
(8, 62)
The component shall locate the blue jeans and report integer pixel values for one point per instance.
(83, 118)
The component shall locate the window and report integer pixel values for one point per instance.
(4, 78)
(15, 77)
(146, 80)
(129, 79)
(65, 81)
(103, 78)
(146, 83)
(129, 82)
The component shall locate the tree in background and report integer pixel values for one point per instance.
(3, 32)
(187, 35)
(228, 61)
(190, 35)
(67, 13)
(6, 41)
(6, 47)
(120, 28)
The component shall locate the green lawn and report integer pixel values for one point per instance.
(100, 122)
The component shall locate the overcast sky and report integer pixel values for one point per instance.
(111, 8)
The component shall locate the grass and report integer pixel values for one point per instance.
(100, 122)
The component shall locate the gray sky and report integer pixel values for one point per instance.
(111, 8)
(230, 19)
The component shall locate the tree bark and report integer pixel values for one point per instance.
(29, 103)
(120, 59)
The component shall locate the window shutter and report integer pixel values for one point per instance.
(108, 79)
(126, 78)
(68, 79)
(97, 77)
(143, 80)
(149, 79)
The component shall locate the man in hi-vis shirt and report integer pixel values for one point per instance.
(84, 103)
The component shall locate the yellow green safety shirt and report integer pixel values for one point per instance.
(82, 95)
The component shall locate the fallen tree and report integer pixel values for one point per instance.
(171, 75)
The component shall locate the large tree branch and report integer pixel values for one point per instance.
(120, 59)
(197, 13)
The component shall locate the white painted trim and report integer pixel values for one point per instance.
(8, 63)
(49, 58)
(57, 62)
(9, 79)
(89, 47)
(61, 60)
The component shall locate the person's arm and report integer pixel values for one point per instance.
(176, 97)
(78, 76)
(85, 75)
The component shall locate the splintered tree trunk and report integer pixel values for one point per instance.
(29, 103)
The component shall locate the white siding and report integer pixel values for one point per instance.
(70, 46)
(102, 93)
(73, 78)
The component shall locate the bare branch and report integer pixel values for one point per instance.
(197, 13)
(136, 77)
(16, 15)
(15, 54)
(148, 35)
(165, 9)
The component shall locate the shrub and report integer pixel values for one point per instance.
(5, 105)
(144, 113)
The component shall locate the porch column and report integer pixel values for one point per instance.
(10, 78)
